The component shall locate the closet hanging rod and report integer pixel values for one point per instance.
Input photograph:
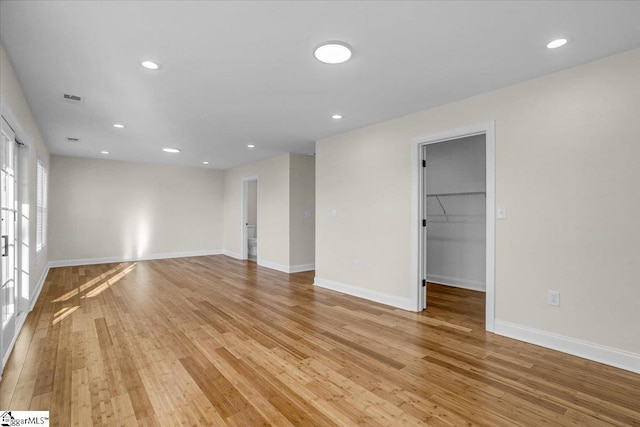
(468, 193)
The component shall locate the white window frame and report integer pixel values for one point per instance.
(42, 205)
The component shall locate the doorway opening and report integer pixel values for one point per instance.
(454, 230)
(250, 218)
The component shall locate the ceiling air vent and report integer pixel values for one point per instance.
(72, 99)
(71, 139)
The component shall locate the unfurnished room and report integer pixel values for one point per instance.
(320, 213)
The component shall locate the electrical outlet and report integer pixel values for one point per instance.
(356, 264)
(553, 298)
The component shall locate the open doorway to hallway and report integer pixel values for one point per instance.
(250, 219)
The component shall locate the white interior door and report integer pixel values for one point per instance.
(8, 241)
(423, 220)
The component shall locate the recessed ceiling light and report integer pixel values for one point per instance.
(170, 150)
(150, 65)
(251, 146)
(333, 52)
(119, 126)
(104, 152)
(336, 117)
(554, 44)
(205, 163)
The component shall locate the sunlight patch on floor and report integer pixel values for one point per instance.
(106, 284)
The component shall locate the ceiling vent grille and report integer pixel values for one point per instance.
(72, 99)
(71, 139)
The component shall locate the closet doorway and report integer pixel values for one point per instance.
(250, 218)
(455, 220)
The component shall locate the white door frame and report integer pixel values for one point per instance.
(418, 238)
(23, 254)
(21, 306)
(245, 209)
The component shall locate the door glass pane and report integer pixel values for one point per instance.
(8, 217)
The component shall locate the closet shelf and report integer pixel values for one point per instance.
(467, 193)
(446, 215)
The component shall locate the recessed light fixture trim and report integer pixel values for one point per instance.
(336, 116)
(150, 65)
(554, 44)
(171, 150)
(251, 146)
(119, 126)
(332, 52)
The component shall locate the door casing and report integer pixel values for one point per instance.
(418, 240)
(26, 295)
(245, 214)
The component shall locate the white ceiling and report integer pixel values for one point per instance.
(236, 73)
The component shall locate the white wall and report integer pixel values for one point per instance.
(13, 98)
(273, 210)
(456, 242)
(285, 190)
(303, 200)
(566, 168)
(101, 209)
(456, 166)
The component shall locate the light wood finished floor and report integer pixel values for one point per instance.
(215, 341)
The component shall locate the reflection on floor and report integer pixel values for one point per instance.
(216, 341)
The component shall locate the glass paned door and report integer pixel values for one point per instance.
(9, 210)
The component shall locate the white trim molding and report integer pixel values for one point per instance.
(148, 257)
(20, 319)
(232, 254)
(244, 241)
(474, 285)
(418, 248)
(302, 267)
(356, 291)
(587, 350)
(36, 294)
(274, 266)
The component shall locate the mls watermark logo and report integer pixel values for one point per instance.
(24, 418)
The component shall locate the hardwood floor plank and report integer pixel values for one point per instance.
(217, 341)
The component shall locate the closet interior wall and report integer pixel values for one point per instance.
(456, 218)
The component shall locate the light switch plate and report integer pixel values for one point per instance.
(334, 212)
(501, 212)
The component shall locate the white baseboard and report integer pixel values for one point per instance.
(285, 268)
(274, 266)
(381, 297)
(22, 317)
(596, 352)
(232, 254)
(147, 257)
(474, 285)
(302, 267)
(36, 294)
